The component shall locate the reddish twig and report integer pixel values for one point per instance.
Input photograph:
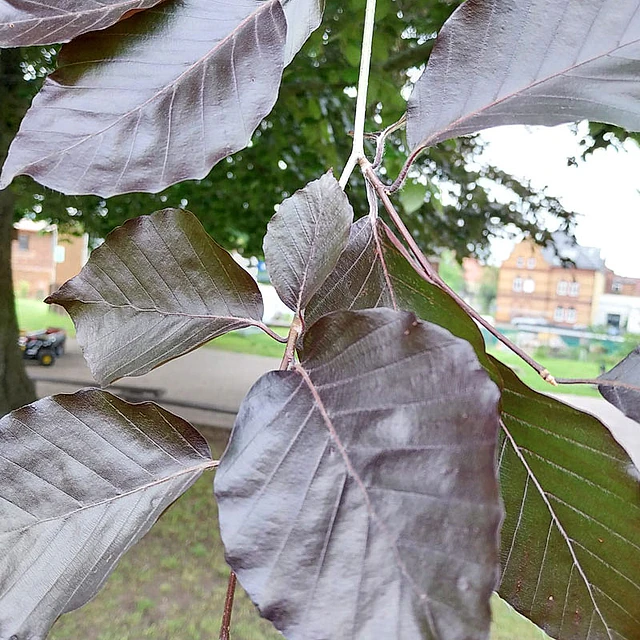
(225, 627)
(600, 383)
(290, 350)
(434, 277)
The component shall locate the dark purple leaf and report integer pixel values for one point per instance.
(303, 18)
(499, 62)
(564, 479)
(82, 478)
(25, 22)
(627, 371)
(371, 272)
(158, 98)
(571, 537)
(305, 239)
(156, 289)
(358, 495)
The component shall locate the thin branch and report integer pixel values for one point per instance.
(271, 333)
(404, 172)
(381, 138)
(434, 276)
(357, 151)
(225, 627)
(294, 333)
(600, 383)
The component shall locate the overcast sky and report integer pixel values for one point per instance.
(603, 189)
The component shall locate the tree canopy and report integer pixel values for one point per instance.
(308, 132)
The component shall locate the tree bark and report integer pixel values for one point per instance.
(16, 389)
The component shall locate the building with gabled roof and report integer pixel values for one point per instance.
(42, 259)
(555, 285)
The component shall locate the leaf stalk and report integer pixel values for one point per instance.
(225, 627)
(433, 276)
(357, 150)
(295, 330)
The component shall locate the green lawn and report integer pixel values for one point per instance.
(171, 585)
(251, 340)
(558, 367)
(33, 314)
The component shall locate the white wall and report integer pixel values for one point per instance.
(628, 307)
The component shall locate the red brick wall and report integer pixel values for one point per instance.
(32, 263)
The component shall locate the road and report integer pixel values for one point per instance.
(221, 379)
(205, 377)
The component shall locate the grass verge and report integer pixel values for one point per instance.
(559, 367)
(171, 585)
(33, 314)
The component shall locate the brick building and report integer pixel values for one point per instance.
(537, 284)
(42, 259)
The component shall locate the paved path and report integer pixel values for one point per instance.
(205, 376)
(222, 379)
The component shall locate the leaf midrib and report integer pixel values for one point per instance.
(203, 466)
(161, 312)
(65, 13)
(431, 139)
(422, 597)
(165, 89)
(558, 524)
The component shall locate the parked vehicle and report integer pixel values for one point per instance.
(44, 345)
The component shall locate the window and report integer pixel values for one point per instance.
(616, 287)
(531, 263)
(571, 315)
(613, 320)
(561, 289)
(59, 253)
(517, 284)
(520, 262)
(529, 285)
(558, 314)
(574, 289)
(23, 242)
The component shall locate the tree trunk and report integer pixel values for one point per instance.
(16, 388)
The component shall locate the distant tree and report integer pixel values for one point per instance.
(303, 135)
(488, 288)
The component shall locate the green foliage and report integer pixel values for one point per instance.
(451, 271)
(391, 474)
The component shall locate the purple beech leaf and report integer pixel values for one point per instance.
(305, 239)
(82, 478)
(571, 537)
(498, 62)
(158, 98)
(371, 272)
(628, 371)
(570, 491)
(358, 495)
(156, 289)
(25, 22)
(303, 18)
